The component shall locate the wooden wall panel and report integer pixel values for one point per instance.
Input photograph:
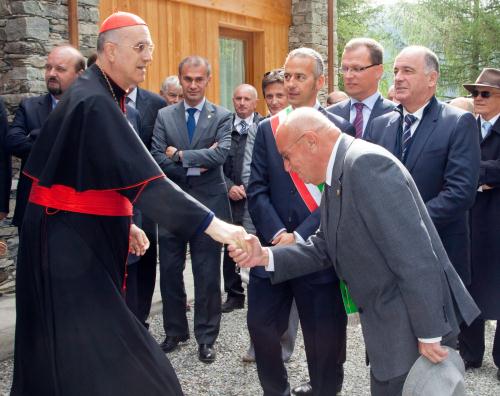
(185, 27)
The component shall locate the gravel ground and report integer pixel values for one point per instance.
(228, 376)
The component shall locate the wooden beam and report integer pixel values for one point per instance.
(74, 39)
(331, 46)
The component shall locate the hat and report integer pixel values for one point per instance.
(489, 78)
(120, 19)
(442, 379)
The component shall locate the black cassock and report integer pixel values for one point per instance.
(74, 332)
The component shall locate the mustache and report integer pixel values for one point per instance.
(53, 79)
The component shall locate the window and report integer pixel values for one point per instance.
(232, 68)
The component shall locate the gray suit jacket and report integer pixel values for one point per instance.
(376, 232)
(214, 125)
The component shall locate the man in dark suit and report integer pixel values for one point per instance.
(146, 104)
(5, 165)
(439, 146)
(362, 68)
(191, 141)
(485, 222)
(237, 173)
(376, 232)
(63, 66)
(281, 217)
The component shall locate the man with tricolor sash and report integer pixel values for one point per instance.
(284, 211)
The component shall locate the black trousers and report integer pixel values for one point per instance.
(471, 341)
(323, 321)
(232, 280)
(205, 261)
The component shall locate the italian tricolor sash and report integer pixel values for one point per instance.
(310, 193)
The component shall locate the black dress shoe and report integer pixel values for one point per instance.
(471, 365)
(171, 342)
(231, 304)
(303, 389)
(206, 353)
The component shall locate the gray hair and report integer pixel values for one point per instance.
(305, 52)
(374, 48)
(430, 58)
(104, 37)
(195, 60)
(247, 87)
(170, 81)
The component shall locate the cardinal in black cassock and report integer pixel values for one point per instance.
(75, 334)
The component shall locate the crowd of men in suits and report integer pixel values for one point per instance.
(231, 163)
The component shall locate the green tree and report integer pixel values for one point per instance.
(463, 33)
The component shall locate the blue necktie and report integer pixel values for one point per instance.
(191, 123)
(406, 140)
(485, 129)
(244, 127)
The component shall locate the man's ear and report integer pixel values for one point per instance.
(311, 139)
(110, 51)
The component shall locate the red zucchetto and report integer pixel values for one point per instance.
(121, 19)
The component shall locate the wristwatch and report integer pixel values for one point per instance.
(176, 157)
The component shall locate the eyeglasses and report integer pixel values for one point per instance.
(139, 48)
(355, 70)
(484, 94)
(285, 154)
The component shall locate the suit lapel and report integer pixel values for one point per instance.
(44, 108)
(424, 131)
(345, 110)
(142, 104)
(180, 124)
(334, 195)
(203, 124)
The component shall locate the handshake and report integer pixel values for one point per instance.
(245, 249)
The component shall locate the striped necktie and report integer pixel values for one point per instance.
(406, 140)
(243, 127)
(358, 120)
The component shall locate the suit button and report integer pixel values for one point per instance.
(360, 310)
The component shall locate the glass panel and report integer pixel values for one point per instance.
(232, 68)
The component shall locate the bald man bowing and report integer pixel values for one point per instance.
(405, 288)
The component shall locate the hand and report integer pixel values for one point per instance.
(3, 215)
(3, 248)
(223, 232)
(237, 193)
(203, 170)
(213, 146)
(251, 255)
(285, 238)
(138, 241)
(433, 351)
(486, 187)
(170, 151)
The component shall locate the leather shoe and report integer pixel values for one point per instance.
(171, 342)
(231, 304)
(303, 389)
(206, 353)
(471, 365)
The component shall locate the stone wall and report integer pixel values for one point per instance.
(28, 31)
(310, 29)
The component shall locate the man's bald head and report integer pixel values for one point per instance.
(305, 140)
(245, 100)
(63, 66)
(466, 104)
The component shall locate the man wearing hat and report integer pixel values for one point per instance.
(485, 221)
(74, 332)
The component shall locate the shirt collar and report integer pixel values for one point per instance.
(55, 101)
(368, 102)
(418, 114)
(248, 120)
(133, 95)
(198, 107)
(491, 121)
(331, 162)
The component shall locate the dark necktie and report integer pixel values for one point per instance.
(406, 139)
(244, 127)
(191, 123)
(358, 120)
